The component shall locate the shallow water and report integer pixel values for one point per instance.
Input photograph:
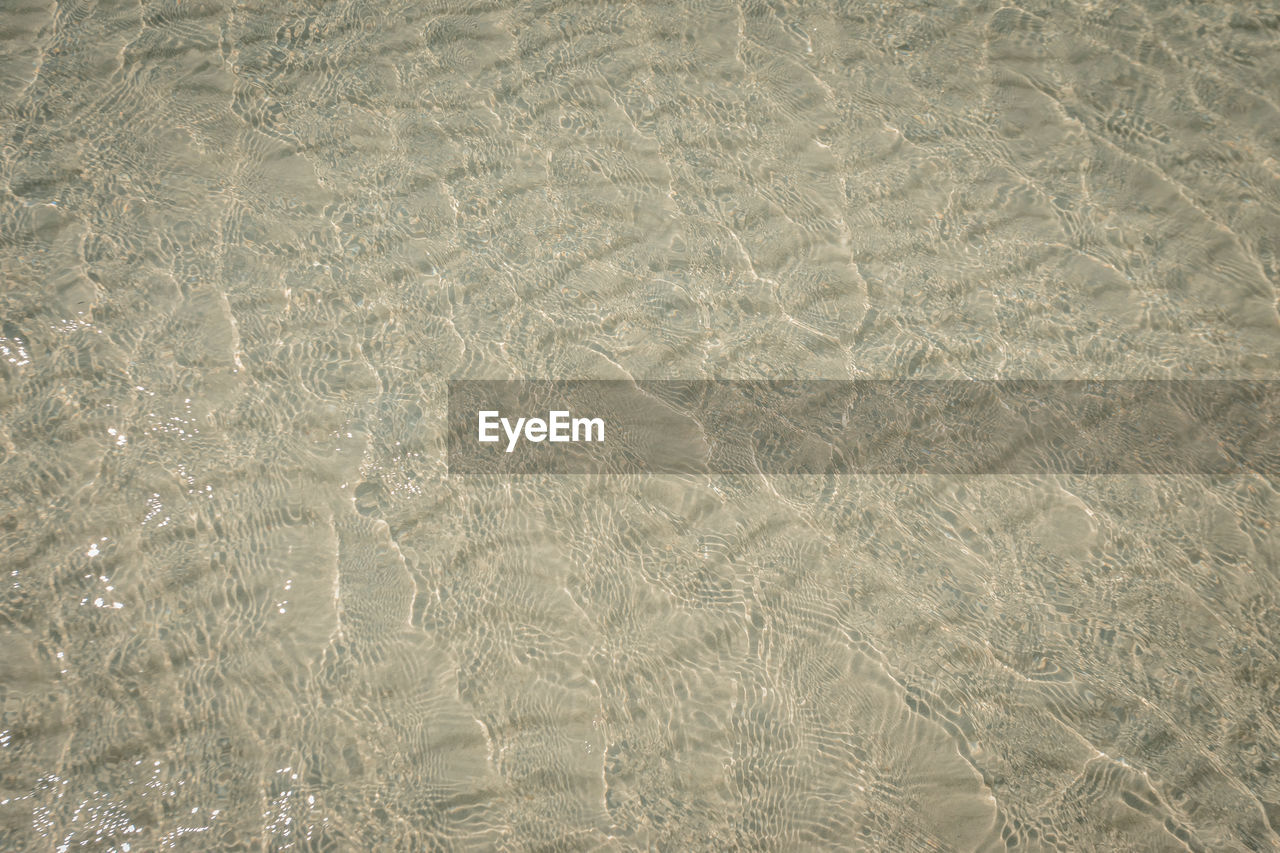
(243, 246)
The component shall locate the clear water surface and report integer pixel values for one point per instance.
(243, 245)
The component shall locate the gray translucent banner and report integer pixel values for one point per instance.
(864, 426)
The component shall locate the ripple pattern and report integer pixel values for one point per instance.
(243, 245)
